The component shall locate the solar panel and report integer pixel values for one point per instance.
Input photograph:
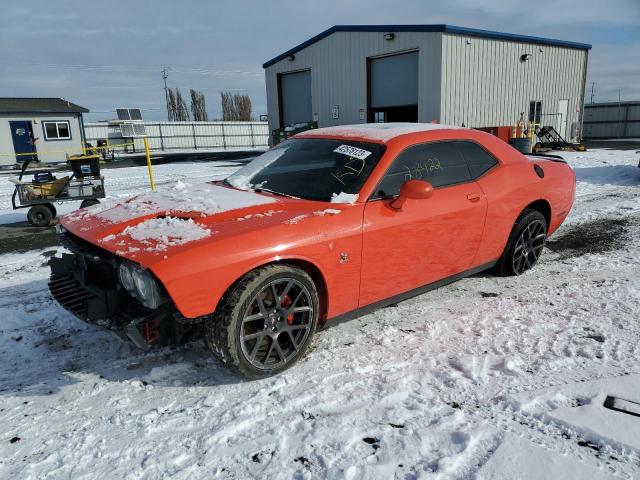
(135, 114)
(139, 130)
(123, 114)
(128, 114)
(126, 130)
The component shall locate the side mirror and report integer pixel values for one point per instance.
(413, 189)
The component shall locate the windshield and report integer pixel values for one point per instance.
(312, 169)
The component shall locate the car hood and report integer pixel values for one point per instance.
(149, 227)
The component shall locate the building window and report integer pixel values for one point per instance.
(535, 111)
(59, 130)
(379, 117)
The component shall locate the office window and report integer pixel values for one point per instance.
(59, 130)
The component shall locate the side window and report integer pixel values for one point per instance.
(439, 163)
(478, 159)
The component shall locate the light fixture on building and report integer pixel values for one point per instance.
(524, 57)
(468, 42)
(389, 36)
(291, 57)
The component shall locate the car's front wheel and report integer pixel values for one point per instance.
(525, 244)
(265, 323)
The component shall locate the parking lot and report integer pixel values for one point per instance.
(460, 382)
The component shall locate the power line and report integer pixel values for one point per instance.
(201, 70)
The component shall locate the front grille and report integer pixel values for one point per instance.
(71, 295)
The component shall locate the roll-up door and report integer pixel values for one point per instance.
(295, 98)
(394, 80)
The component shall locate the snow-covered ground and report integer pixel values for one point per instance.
(488, 378)
(125, 181)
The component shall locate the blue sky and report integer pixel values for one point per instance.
(104, 55)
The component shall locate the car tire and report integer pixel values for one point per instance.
(265, 322)
(525, 244)
(89, 203)
(39, 216)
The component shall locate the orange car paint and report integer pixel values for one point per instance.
(369, 251)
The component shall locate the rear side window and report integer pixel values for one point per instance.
(478, 159)
(439, 163)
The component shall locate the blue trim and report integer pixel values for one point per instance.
(44, 130)
(471, 32)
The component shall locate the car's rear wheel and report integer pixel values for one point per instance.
(525, 244)
(265, 323)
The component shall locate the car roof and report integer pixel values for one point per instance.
(377, 132)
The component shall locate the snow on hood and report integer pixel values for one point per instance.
(206, 199)
(158, 234)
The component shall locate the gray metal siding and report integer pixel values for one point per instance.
(485, 84)
(617, 120)
(338, 66)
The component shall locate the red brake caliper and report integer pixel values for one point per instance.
(286, 301)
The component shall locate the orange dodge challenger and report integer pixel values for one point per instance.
(327, 225)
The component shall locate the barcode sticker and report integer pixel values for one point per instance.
(353, 152)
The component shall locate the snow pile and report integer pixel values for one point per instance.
(342, 197)
(206, 199)
(162, 233)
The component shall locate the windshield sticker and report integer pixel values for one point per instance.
(353, 152)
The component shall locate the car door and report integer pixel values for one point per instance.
(427, 240)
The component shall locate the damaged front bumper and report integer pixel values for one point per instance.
(85, 282)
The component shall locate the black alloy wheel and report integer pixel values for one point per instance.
(528, 247)
(266, 321)
(276, 323)
(525, 244)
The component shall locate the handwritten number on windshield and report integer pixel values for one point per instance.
(353, 167)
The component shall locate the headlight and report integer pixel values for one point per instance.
(124, 272)
(140, 283)
(146, 287)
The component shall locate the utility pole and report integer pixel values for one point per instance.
(166, 93)
(592, 85)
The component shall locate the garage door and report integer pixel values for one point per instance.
(394, 80)
(295, 95)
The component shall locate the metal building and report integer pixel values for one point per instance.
(443, 73)
(43, 129)
(612, 120)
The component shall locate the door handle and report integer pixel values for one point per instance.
(473, 197)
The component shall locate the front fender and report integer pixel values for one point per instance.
(197, 279)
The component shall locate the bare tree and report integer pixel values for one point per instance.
(182, 113)
(171, 105)
(198, 106)
(235, 107)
